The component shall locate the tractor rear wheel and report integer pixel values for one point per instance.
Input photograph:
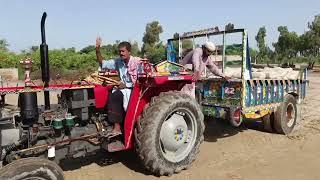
(33, 168)
(169, 133)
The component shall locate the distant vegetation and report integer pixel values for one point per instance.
(290, 48)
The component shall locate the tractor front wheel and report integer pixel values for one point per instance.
(33, 168)
(169, 133)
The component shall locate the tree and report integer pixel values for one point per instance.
(4, 45)
(8, 59)
(234, 49)
(229, 27)
(72, 49)
(287, 45)
(152, 34)
(155, 53)
(271, 54)
(262, 55)
(306, 44)
(187, 45)
(315, 35)
(88, 49)
(110, 51)
(152, 47)
(253, 55)
(135, 48)
(34, 48)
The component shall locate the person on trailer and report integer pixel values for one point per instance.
(126, 66)
(200, 58)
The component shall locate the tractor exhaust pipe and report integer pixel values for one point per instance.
(45, 62)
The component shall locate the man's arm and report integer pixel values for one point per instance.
(196, 58)
(215, 70)
(110, 64)
(98, 52)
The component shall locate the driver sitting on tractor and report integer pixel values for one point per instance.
(118, 100)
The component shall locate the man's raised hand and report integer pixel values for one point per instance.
(98, 41)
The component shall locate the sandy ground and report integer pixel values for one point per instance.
(245, 153)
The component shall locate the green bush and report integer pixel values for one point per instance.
(67, 63)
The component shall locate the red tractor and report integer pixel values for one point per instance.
(163, 125)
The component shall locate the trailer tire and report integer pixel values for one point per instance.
(157, 136)
(268, 122)
(286, 115)
(235, 111)
(31, 168)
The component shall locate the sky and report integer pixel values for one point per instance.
(77, 23)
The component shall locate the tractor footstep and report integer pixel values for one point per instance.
(115, 146)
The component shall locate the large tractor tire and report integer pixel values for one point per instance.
(286, 117)
(31, 169)
(169, 133)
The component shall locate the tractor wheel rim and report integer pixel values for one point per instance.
(290, 114)
(178, 135)
(35, 178)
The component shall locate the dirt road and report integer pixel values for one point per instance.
(245, 153)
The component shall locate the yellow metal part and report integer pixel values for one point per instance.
(259, 111)
(257, 115)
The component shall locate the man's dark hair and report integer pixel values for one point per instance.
(125, 44)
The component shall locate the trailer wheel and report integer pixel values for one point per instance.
(286, 115)
(268, 121)
(169, 133)
(33, 168)
(235, 117)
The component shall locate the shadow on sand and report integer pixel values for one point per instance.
(215, 130)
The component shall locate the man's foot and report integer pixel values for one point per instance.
(116, 131)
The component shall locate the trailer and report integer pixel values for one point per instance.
(272, 95)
